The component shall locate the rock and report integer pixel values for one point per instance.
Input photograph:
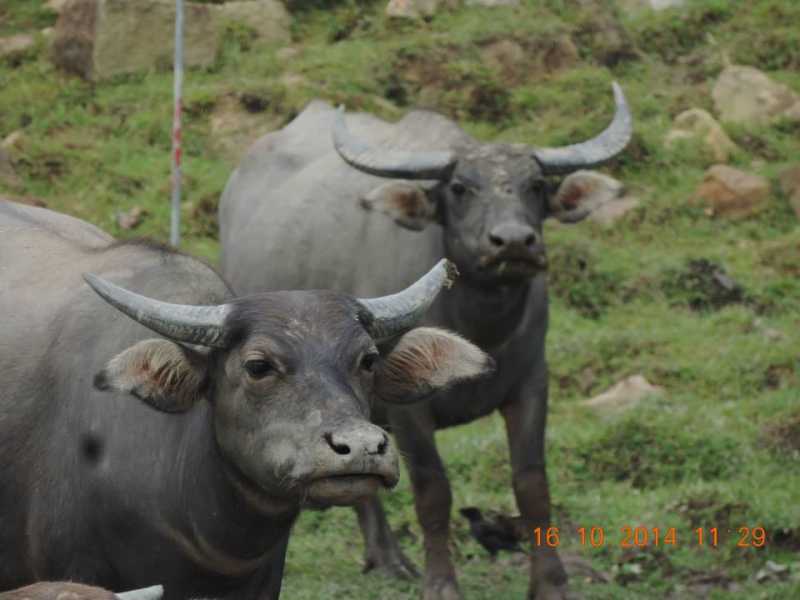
(612, 211)
(732, 193)
(97, 39)
(492, 3)
(132, 218)
(772, 572)
(13, 141)
(14, 47)
(268, 18)
(412, 9)
(8, 176)
(603, 188)
(790, 186)
(634, 5)
(698, 124)
(624, 395)
(287, 53)
(56, 5)
(747, 95)
(234, 128)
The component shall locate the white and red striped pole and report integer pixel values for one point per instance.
(175, 220)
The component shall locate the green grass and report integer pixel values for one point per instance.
(720, 448)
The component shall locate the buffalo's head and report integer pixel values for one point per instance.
(290, 376)
(491, 199)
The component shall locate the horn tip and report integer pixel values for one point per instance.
(451, 273)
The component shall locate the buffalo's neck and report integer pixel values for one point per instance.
(224, 526)
(487, 315)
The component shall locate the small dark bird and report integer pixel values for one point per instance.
(498, 534)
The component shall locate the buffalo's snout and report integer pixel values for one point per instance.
(358, 440)
(352, 460)
(513, 235)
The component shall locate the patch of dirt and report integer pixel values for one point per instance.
(636, 563)
(701, 584)
(574, 277)
(703, 285)
(785, 538)
(783, 257)
(709, 511)
(780, 376)
(782, 433)
(203, 216)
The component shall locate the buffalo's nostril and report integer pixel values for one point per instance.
(496, 240)
(530, 240)
(383, 445)
(336, 447)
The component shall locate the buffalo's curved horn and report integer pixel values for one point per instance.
(154, 592)
(595, 151)
(389, 316)
(394, 164)
(203, 325)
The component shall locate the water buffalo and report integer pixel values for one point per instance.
(360, 211)
(128, 459)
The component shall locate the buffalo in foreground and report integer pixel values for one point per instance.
(361, 211)
(128, 459)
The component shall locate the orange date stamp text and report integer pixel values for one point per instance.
(641, 537)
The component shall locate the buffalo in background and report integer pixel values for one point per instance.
(363, 211)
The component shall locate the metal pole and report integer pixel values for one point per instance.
(175, 221)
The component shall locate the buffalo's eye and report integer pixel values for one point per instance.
(458, 188)
(259, 368)
(538, 187)
(368, 361)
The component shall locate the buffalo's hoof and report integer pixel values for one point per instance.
(547, 591)
(441, 589)
(392, 563)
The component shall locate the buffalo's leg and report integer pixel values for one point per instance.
(415, 429)
(525, 418)
(382, 551)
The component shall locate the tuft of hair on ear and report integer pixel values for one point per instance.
(428, 360)
(159, 372)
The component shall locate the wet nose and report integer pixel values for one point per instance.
(512, 234)
(357, 441)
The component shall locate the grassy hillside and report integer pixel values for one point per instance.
(719, 449)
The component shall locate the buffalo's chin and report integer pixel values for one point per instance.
(343, 490)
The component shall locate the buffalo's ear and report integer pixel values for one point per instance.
(165, 375)
(427, 360)
(410, 205)
(582, 192)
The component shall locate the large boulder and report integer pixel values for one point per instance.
(412, 9)
(732, 193)
(97, 39)
(747, 95)
(15, 47)
(492, 3)
(698, 124)
(635, 5)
